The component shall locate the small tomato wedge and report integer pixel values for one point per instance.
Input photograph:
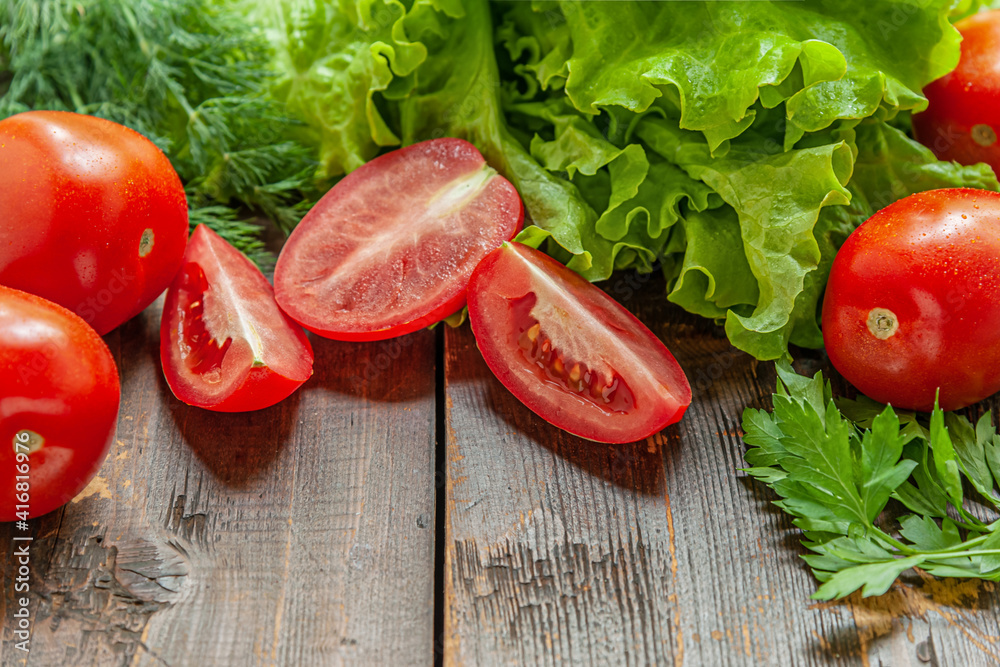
(224, 343)
(59, 397)
(571, 353)
(390, 248)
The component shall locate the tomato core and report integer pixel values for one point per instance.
(146, 242)
(984, 135)
(202, 353)
(604, 389)
(28, 438)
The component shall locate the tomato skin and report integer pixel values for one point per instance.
(569, 352)
(58, 380)
(389, 250)
(95, 217)
(962, 120)
(224, 343)
(933, 261)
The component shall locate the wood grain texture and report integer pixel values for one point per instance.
(560, 551)
(305, 534)
(300, 534)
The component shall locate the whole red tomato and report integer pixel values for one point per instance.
(59, 397)
(94, 216)
(913, 301)
(962, 120)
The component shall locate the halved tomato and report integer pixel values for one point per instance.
(224, 343)
(570, 352)
(390, 248)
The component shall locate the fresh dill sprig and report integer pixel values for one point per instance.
(241, 233)
(192, 75)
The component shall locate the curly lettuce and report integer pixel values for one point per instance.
(733, 146)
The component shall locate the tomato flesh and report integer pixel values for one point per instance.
(390, 248)
(913, 301)
(962, 120)
(601, 386)
(94, 215)
(569, 352)
(224, 343)
(59, 396)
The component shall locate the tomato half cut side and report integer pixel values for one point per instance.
(224, 343)
(391, 247)
(571, 353)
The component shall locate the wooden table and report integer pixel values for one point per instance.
(403, 508)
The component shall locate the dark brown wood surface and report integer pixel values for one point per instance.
(298, 535)
(395, 512)
(559, 550)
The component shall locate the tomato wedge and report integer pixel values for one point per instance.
(571, 353)
(390, 248)
(224, 343)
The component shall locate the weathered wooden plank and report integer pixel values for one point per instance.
(300, 534)
(661, 552)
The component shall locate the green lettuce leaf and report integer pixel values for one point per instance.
(733, 146)
(829, 59)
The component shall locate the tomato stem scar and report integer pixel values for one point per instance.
(29, 440)
(984, 135)
(882, 323)
(146, 242)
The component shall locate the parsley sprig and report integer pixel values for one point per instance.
(837, 463)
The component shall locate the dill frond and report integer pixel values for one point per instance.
(191, 75)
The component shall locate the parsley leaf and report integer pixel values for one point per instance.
(837, 464)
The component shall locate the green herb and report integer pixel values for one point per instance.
(837, 463)
(192, 76)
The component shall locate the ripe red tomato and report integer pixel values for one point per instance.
(571, 353)
(390, 248)
(962, 120)
(94, 216)
(913, 301)
(59, 396)
(224, 343)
